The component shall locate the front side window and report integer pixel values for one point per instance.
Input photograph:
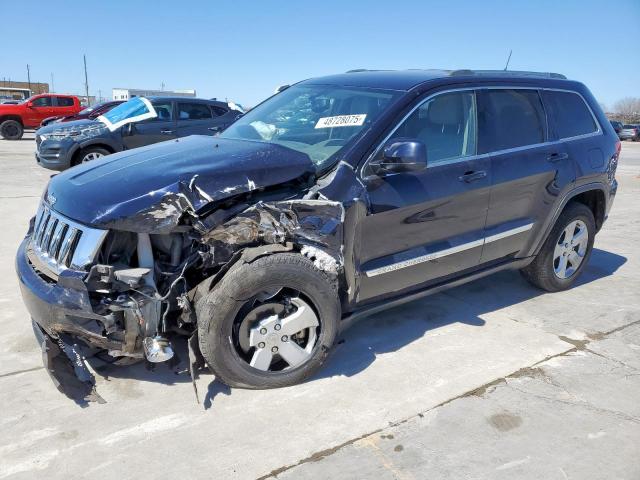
(42, 102)
(64, 101)
(446, 124)
(164, 111)
(193, 111)
(571, 114)
(509, 118)
(317, 120)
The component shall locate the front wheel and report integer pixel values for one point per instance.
(270, 323)
(566, 251)
(91, 153)
(11, 130)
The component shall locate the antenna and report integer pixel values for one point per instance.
(86, 80)
(508, 59)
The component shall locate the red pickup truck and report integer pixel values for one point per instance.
(28, 114)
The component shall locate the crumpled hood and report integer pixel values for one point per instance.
(68, 127)
(149, 189)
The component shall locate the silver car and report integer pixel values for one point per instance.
(630, 132)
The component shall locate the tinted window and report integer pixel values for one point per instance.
(42, 102)
(64, 101)
(446, 124)
(218, 111)
(164, 111)
(571, 114)
(509, 119)
(193, 111)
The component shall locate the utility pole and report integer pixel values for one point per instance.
(99, 95)
(29, 78)
(162, 87)
(52, 88)
(508, 59)
(86, 80)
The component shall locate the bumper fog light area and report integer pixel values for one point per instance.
(157, 349)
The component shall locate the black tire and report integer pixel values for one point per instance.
(11, 130)
(540, 272)
(218, 312)
(87, 151)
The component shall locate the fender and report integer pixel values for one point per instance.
(99, 141)
(551, 220)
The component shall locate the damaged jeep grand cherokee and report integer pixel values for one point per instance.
(335, 198)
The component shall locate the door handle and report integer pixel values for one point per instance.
(469, 177)
(166, 132)
(556, 157)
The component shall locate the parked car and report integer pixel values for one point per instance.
(630, 132)
(30, 113)
(136, 123)
(91, 113)
(259, 243)
(617, 126)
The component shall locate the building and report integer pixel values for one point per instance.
(21, 90)
(127, 93)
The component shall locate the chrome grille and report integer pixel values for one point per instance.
(61, 243)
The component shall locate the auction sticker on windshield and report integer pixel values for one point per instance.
(341, 121)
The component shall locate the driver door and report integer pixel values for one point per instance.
(424, 226)
(40, 109)
(153, 130)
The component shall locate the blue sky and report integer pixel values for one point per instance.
(244, 49)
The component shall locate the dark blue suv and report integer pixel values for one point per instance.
(335, 198)
(138, 122)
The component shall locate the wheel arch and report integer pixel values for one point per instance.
(17, 118)
(81, 148)
(593, 195)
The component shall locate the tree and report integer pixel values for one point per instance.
(628, 109)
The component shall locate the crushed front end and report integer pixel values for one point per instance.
(95, 289)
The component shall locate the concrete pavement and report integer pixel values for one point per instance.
(490, 380)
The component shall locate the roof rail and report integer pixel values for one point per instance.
(507, 73)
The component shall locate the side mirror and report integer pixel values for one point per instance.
(128, 129)
(29, 104)
(402, 156)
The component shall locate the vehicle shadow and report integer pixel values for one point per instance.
(388, 331)
(384, 332)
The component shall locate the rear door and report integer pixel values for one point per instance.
(529, 168)
(424, 226)
(152, 130)
(63, 106)
(196, 118)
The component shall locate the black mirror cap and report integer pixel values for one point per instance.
(403, 155)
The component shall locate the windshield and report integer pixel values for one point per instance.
(134, 110)
(318, 120)
(87, 110)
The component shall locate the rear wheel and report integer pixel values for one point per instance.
(270, 323)
(11, 130)
(566, 251)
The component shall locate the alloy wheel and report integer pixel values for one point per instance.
(570, 249)
(91, 156)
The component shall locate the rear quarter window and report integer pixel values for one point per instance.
(571, 114)
(218, 111)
